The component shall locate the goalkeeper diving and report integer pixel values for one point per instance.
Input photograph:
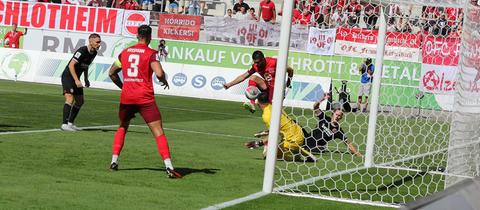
(298, 144)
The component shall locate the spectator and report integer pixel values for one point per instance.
(229, 13)
(162, 50)
(338, 18)
(305, 18)
(441, 27)
(353, 9)
(130, 5)
(147, 4)
(95, 3)
(173, 6)
(242, 14)
(393, 12)
(237, 7)
(252, 15)
(266, 12)
(403, 25)
(296, 15)
(194, 7)
(370, 15)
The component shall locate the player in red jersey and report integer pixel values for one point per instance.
(13, 37)
(139, 63)
(265, 66)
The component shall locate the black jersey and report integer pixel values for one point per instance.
(326, 130)
(84, 58)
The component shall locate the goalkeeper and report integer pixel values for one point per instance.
(295, 139)
(292, 135)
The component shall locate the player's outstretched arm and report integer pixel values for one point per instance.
(157, 68)
(316, 105)
(237, 80)
(353, 149)
(113, 73)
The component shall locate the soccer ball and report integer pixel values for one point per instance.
(252, 92)
(6, 42)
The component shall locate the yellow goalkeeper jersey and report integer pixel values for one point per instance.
(291, 131)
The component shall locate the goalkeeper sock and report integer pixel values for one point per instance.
(118, 140)
(162, 146)
(254, 84)
(66, 112)
(75, 110)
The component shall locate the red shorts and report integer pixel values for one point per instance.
(148, 111)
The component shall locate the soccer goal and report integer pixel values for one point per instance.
(418, 62)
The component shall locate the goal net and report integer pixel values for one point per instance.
(399, 125)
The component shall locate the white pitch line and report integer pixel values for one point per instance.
(52, 130)
(110, 126)
(236, 201)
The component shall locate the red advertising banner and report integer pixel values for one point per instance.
(441, 50)
(365, 36)
(61, 17)
(179, 27)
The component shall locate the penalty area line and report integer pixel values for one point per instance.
(236, 201)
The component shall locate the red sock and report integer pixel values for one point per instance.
(118, 141)
(162, 146)
(254, 84)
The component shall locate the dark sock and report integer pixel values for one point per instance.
(75, 110)
(66, 112)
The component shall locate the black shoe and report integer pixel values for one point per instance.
(114, 167)
(172, 174)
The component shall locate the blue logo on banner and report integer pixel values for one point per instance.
(305, 91)
(179, 79)
(218, 82)
(199, 81)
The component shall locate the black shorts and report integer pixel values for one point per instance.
(69, 86)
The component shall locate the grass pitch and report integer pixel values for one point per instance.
(68, 170)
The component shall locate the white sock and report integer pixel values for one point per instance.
(70, 124)
(168, 163)
(114, 158)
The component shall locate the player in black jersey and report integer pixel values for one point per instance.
(72, 86)
(328, 128)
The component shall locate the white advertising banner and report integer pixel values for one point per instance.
(251, 32)
(321, 41)
(185, 80)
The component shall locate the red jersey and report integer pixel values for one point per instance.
(267, 10)
(137, 74)
(268, 73)
(13, 38)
